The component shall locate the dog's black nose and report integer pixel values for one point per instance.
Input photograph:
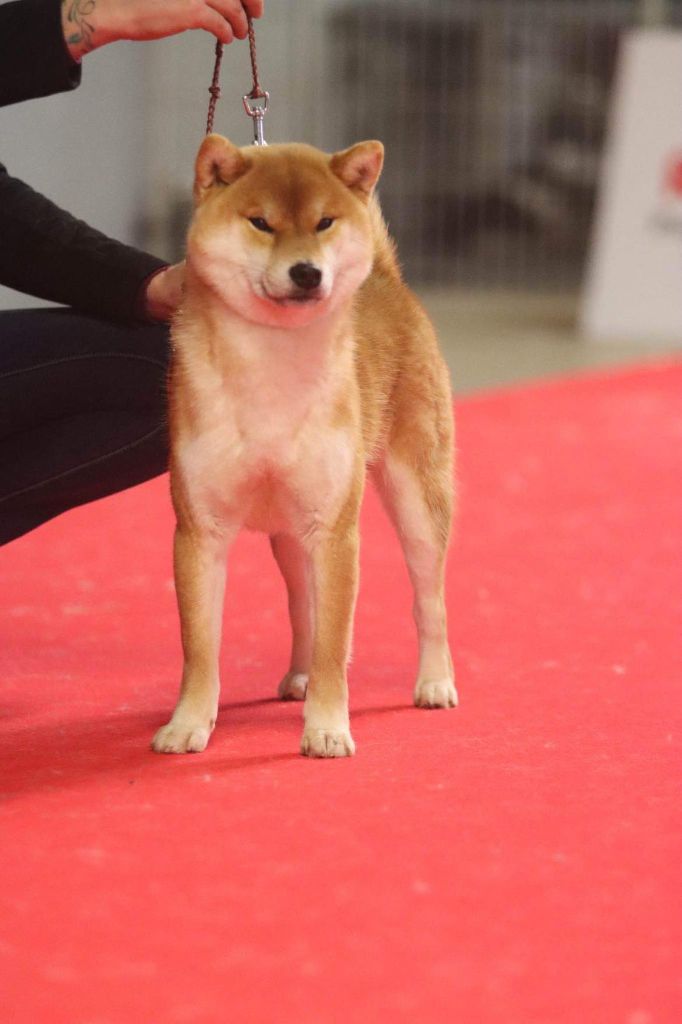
(305, 275)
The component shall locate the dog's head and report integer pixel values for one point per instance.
(282, 233)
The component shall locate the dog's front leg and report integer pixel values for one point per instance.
(199, 561)
(334, 557)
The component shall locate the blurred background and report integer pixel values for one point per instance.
(495, 115)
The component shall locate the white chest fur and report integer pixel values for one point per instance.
(262, 447)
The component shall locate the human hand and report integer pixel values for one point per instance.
(88, 24)
(164, 293)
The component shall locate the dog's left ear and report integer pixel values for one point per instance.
(360, 166)
(218, 162)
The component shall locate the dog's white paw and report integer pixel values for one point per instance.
(293, 686)
(435, 693)
(327, 742)
(182, 737)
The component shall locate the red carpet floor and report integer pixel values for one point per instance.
(516, 861)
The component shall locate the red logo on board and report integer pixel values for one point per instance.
(672, 174)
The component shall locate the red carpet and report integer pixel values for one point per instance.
(516, 861)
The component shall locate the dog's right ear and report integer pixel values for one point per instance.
(218, 162)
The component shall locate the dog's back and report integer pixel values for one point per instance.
(404, 381)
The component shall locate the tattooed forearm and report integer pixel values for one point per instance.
(78, 25)
(89, 24)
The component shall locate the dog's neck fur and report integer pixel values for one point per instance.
(272, 375)
(232, 344)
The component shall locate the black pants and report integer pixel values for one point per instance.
(82, 412)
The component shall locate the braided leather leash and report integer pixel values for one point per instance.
(214, 87)
(255, 102)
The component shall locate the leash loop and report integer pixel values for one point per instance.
(256, 92)
(255, 102)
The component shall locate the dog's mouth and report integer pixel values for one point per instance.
(296, 297)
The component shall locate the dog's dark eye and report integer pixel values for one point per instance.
(325, 223)
(261, 224)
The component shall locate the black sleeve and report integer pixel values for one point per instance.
(44, 251)
(34, 59)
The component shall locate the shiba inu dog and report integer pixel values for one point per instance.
(300, 359)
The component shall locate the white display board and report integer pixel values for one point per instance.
(634, 281)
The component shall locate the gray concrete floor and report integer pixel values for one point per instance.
(495, 338)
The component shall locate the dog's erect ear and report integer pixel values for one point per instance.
(218, 162)
(360, 166)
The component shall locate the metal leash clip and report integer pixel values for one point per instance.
(255, 107)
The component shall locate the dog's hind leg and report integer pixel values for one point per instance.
(295, 568)
(416, 488)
